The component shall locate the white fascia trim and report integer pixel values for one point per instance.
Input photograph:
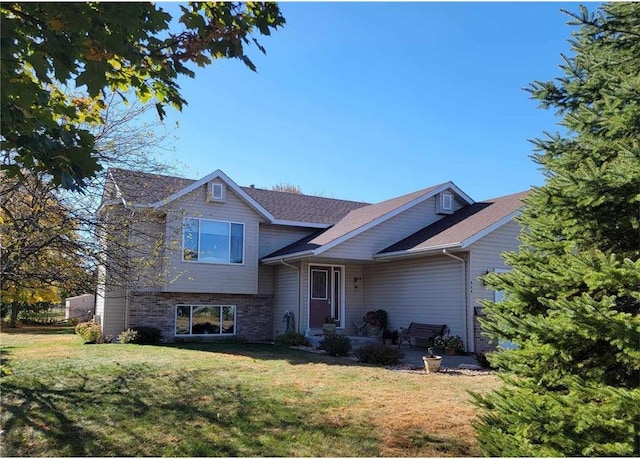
(416, 252)
(288, 257)
(391, 214)
(489, 229)
(457, 191)
(302, 224)
(222, 176)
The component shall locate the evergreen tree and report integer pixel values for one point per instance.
(572, 299)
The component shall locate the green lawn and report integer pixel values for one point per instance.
(64, 398)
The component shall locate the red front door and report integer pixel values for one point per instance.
(325, 294)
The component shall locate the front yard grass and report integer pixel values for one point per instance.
(64, 398)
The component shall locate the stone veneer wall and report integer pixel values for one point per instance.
(254, 313)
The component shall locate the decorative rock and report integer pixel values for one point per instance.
(470, 366)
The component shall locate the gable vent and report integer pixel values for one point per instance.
(444, 203)
(215, 192)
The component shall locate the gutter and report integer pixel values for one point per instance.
(464, 296)
(298, 295)
(416, 252)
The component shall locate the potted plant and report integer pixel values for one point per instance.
(375, 321)
(329, 326)
(431, 362)
(450, 343)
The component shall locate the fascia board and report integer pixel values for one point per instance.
(288, 257)
(416, 252)
(458, 191)
(489, 229)
(302, 224)
(389, 215)
(222, 176)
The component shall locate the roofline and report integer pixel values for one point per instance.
(243, 194)
(288, 257)
(465, 243)
(416, 252)
(206, 179)
(304, 224)
(491, 228)
(392, 214)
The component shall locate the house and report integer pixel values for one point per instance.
(211, 258)
(80, 307)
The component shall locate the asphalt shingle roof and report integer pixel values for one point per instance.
(146, 188)
(352, 221)
(461, 225)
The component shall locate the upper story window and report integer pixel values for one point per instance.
(212, 241)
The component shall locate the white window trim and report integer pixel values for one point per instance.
(211, 192)
(191, 306)
(244, 238)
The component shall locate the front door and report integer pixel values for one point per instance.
(325, 294)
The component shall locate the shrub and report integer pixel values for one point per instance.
(482, 360)
(90, 332)
(378, 354)
(140, 335)
(336, 345)
(148, 335)
(128, 336)
(292, 339)
(74, 321)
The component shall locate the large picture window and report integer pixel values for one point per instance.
(205, 320)
(212, 241)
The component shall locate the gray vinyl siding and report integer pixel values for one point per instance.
(265, 280)
(112, 312)
(285, 293)
(487, 256)
(354, 298)
(194, 277)
(275, 237)
(366, 244)
(146, 253)
(425, 289)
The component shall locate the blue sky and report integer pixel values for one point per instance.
(367, 101)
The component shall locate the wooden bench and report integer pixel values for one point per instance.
(426, 332)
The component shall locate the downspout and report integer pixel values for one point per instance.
(127, 304)
(298, 295)
(464, 294)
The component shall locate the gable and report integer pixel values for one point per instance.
(140, 189)
(461, 229)
(368, 219)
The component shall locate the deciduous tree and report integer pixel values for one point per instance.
(133, 49)
(572, 304)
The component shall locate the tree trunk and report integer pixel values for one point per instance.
(15, 309)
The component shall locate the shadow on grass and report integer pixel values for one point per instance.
(132, 410)
(41, 329)
(265, 352)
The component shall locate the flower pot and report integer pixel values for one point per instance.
(432, 364)
(449, 351)
(329, 329)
